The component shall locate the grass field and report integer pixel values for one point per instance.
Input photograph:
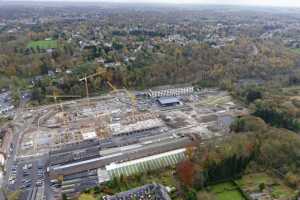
(212, 101)
(297, 50)
(43, 44)
(292, 89)
(276, 188)
(252, 181)
(226, 191)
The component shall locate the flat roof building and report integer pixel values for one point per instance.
(139, 126)
(171, 92)
(168, 101)
(87, 149)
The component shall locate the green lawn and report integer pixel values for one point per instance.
(226, 191)
(297, 50)
(277, 189)
(212, 101)
(43, 44)
(252, 181)
(230, 195)
(282, 192)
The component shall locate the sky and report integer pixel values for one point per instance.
(276, 3)
(280, 3)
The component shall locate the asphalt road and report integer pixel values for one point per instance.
(20, 127)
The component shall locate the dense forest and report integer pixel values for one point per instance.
(255, 147)
(165, 64)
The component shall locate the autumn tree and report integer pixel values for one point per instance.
(185, 171)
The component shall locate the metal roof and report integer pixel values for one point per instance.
(144, 159)
(168, 100)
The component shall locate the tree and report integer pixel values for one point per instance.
(238, 125)
(37, 94)
(262, 186)
(190, 151)
(185, 171)
(97, 190)
(191, 194)
(16, 95)
(293, 179)
(252, 95)
(64, 197)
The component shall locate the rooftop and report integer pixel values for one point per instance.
(133, 162)
(168, 100)
(147, 192)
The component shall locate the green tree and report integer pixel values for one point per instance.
(37, 94)
(262, 186)
(191, 195)
(64, 197)
(252, 95)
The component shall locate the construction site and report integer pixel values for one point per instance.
(89, 141)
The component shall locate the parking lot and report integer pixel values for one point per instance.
(26, 175)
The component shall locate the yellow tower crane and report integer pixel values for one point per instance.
(111, 86)
(86, 77)
(129, 94)
(132, 99)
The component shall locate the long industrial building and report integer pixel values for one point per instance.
(84, 150)
(171, 92)
(137, 127)
(72, 184)
(145, 164)
(99, 162)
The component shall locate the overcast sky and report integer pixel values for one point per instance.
(288, 3)
(280, 3)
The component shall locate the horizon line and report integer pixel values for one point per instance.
(154, 3)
